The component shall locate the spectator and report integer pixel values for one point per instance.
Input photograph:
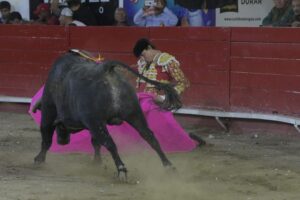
(281, 14)
(15, 18)
(82, 13)
(192, 17)
(44, 15)
(296, 9)
(209, 17)
(5, 9)
(155, 14)
(66, 18)
(54, 7)
(120, 17)
(163, 67)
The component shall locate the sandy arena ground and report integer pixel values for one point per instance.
(256, 166)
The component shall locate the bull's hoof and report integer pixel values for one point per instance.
(166, 163)
(171, 168)
(97, 160)
(122, 173)
(198, 139)
(39, 160)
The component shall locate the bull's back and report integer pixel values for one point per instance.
(93, 92)
(81, 89)
(61, 67)
(55, 89)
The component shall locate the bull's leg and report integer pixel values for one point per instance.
(47, 130)
(101, 136)
(97, 146)
(138, 121)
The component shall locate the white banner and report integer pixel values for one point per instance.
(249, 13)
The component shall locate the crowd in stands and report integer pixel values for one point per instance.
(154, 13)
(285, 13)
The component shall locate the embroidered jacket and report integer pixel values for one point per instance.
(164, 69)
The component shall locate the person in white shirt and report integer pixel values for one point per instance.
(66, 18)
(155, 15)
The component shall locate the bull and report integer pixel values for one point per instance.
(82, 94)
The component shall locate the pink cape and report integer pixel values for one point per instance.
(168, 132)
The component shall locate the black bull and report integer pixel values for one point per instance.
(82, 94)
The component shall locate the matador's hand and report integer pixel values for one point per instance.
(159, 99)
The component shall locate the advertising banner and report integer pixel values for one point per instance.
(247, 13)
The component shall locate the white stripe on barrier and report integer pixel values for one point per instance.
(202, 112)
(242, 115)
(8, 99)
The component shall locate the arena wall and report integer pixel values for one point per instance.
(230, 69)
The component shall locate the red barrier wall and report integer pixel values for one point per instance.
(238, 69)
(265, 70)
(26, 53)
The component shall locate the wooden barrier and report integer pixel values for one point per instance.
(230, 69)
(265, 69)
(26, 54)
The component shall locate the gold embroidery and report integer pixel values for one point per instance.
(181, 82)
(150, 73)
(167, 64)
(164, 59)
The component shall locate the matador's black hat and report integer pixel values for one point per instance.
(141, 45)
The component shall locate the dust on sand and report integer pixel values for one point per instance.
(233, 167)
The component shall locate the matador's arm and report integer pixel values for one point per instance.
(179, 78)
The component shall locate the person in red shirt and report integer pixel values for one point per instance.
(44, 15)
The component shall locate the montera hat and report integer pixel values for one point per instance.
(141, 45)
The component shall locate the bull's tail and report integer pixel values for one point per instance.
(172, 100)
